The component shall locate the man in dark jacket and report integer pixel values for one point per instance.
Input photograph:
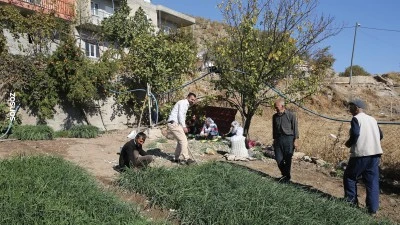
(132, 154)
(285, 133)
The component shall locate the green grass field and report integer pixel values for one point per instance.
(221, 193)
(50, 190)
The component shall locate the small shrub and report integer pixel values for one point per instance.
(61, 134)
(257, 148)
(162, 140)
(83, 131)
(31, 132)
(258, 155)
(152, 145)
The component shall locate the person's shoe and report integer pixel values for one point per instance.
(118, 168)
(284, 179)
(190, 161)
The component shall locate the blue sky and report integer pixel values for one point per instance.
(376, 50)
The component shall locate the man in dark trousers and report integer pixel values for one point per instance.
(365, 153)
(285, 133)
(132, 154)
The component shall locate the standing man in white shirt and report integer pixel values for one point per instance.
(177, 126)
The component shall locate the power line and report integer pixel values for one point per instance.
(377, 39)
(382, 29)
(369, 28)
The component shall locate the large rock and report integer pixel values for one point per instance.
(298, 155)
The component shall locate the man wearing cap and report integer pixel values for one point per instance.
(177, 126)
(365, 152)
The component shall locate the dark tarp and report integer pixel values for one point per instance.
(223, 117)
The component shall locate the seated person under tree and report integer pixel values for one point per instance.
(209, 130)
(192, 124)
(237, 140)
(236, 130)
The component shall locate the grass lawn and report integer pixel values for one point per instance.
(50, 190)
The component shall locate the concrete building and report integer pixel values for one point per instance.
(86, 16)
(93, 12)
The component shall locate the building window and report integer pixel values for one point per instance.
(166, 30)
(36, 2)
(95, 8)
(92, 50)
(30, 38)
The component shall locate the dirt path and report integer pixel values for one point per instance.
(99, 156)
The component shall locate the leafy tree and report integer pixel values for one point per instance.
(79, 81)
(12, 20)
(266, 47)
(41, 81)
(120, 28)
(24, 75)
(40, 28)
(40, 95)
(357, 71)
(160, 60)
(323, 60)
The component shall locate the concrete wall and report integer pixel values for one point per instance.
(104, 117)
(21, 45)
(147, 7)
(355, 80)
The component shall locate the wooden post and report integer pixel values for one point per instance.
(141, 115)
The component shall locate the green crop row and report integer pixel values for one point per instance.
(221, 193)
(49, 190)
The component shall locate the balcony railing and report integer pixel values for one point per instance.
(62, 8)
(100, 15)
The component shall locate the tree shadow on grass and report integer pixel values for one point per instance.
(307, 188)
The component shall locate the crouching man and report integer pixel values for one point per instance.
(132, 154)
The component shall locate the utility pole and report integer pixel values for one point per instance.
(352, 52)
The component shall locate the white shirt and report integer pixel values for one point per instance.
(178, 113)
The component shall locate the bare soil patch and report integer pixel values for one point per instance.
(99, 155)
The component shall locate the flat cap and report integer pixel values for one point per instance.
(359, 103)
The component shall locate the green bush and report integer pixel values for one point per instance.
(83, 131)
(50, 190)
(162, 140)
(61, 134)
(222, 193)
(33, 132)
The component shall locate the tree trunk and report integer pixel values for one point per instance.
(84, 116)
(247, 122)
